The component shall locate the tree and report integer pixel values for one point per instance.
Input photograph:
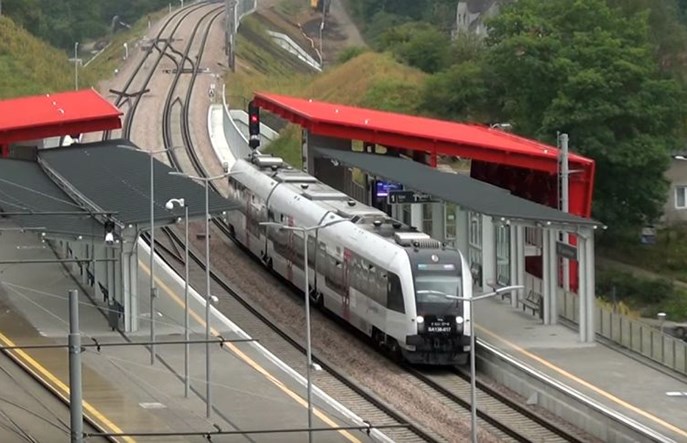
(419, 45)
(457, 93)
(585, 68)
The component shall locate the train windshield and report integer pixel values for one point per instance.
(435, 288)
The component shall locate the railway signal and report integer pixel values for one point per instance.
(253, 125)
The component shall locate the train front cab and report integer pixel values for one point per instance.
(440, 320)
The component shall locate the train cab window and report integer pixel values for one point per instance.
(394, 300)
(270, 215)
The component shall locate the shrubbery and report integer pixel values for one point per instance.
(647, 295)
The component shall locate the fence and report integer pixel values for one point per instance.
(634, 335)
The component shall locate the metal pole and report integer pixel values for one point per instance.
(76, 66)
(565, 203)
(473, 388)
(152, 261)
(186, 366)
(307, 332)
(75, 393)
(208, 410)
(321, 54)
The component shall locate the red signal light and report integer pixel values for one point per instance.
(254, 118)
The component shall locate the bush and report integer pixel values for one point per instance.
(649, 296)
(350, 53)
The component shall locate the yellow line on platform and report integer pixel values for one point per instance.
(58, 385)
(230, 347)
(587, 384)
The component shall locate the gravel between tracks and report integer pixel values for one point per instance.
(338, 344)
(330, 340)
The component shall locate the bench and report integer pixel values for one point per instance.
(533, 301)
(501, 281)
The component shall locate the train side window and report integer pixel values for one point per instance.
(394, 298)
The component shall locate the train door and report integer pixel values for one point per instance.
(290, 251)
(346, 292)
(249, 221)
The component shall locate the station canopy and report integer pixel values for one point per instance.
(456, 188)
(49, 115)
(29, 199)
(63, 190)
(115, 176)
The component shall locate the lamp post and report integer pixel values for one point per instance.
(473, 388)
(206, 180)
(306, 231)
(153, 289)
(76, 66)
(170, 205)
(321, 30)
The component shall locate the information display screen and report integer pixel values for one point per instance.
(382, 188)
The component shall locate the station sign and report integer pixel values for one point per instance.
(566, 251)
(406, 197)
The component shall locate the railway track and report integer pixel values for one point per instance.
(181, 15)
(274, 337)
(498, 413)
(171, 246)
(500, 416)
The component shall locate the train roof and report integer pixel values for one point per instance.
(326, 197)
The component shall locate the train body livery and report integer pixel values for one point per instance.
(388, 280)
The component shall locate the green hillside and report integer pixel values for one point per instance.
(372, 80)
(29, 66)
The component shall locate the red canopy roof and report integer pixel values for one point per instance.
(408, 131)
(64, 113)
(436, 137)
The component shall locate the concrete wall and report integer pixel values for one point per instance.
(604, 423)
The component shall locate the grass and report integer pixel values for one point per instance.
(29, 66)
(371, 80)
(287, 146)
(666, 259)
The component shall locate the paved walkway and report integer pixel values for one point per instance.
(123, 392)
(611, 378)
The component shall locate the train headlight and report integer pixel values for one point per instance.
(459, 320)
(420, 319)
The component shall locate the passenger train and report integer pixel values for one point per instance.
(388, 280)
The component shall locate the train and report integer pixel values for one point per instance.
(385, 278)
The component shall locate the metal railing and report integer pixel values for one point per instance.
(635, 335)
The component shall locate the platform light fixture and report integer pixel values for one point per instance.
(171, 203)
(306, 231)
(208, 299)
(473, 387)
(153, 289)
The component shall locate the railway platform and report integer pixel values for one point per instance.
(612, 378)
(123, 392)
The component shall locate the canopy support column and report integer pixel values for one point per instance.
(488, 252)
(550, 276)
(438, 219)
(586, 290)
(128, 264)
